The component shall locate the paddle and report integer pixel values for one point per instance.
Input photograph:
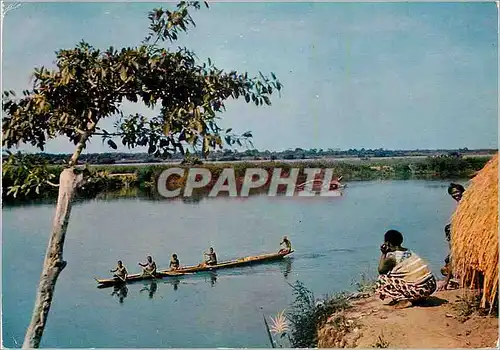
(121, 279)
(144, 270)
(151, 274)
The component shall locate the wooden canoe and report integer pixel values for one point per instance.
(109, 282)
(189, 270)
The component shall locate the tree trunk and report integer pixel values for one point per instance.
(54, 263)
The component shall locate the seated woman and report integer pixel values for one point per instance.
(404, 276)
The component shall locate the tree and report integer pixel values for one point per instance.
(87, 86)
(4, 9)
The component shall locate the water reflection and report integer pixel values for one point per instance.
(174, 282)
(212, 278)
(121, 292)
(153, 286)
(286, 267)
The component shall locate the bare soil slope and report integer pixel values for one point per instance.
(434, 324)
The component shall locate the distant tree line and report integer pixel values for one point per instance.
(254, 154)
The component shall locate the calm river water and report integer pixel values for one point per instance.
(335, 240)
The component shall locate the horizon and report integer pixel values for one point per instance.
(428, 150)
(396, 76)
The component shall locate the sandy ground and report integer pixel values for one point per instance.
(435, 324)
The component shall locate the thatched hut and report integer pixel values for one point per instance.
(474, 234)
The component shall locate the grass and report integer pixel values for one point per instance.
(381, 342)
(307, 314)
(336, 334)
(469, 304)
(366, 283)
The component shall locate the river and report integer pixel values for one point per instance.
(335, 240)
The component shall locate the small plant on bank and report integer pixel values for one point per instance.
(335, 333)
(308, 314)
(381, 343)
(470, 304)
(365, 284)
(279, 328)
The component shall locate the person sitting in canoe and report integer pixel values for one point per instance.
(212, 257)
(174, 262)
(121, 271)
(403, 276)
(149, 268)
(288, 245)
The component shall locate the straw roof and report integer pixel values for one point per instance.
(474, 230)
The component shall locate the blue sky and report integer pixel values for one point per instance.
(372, 75)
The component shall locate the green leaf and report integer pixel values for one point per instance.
(205, 146)
(182, 135)
(112, 144)
(166, 129)
(123, 73)
(132, 98)
(164, 143)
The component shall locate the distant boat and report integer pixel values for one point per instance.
(188, 270)
(318, 186)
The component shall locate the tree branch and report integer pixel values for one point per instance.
(81, 132)
(52, 184)
(108, 134)
(81, 144)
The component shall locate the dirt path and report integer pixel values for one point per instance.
(433, 325)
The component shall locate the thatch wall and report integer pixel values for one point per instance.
(474, 234)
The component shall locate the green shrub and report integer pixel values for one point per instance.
(307, 314)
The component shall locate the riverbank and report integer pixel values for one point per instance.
(448, 319)
(111, 178)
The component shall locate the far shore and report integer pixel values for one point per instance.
(258, 161)
(144, 176)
